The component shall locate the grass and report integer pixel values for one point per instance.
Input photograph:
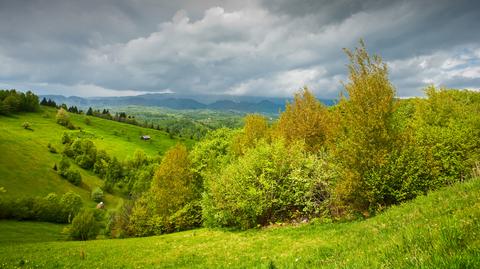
(26, 163)
(440, 230)
(14, 232)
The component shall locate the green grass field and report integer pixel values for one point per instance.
(26, 163)
(440, 230)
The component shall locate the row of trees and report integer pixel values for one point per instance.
(368, 152)
(12, 101)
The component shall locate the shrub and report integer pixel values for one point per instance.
(27, 126)
(62, 117)
(63, 166)
(71, 204)
(66, 138)
(51, 148)
(270, 183)
(97, 195)
(84, 226)
(73, 176)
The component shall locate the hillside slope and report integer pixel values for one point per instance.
(440, 230)
(26, 163)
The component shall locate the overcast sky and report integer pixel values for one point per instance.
(257, 47)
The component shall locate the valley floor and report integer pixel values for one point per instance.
(440, 230)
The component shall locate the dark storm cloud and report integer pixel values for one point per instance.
(257, 47)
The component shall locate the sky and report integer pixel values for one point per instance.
(252, 47)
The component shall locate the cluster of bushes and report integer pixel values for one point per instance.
(12, 101)
(52, 208)
(131, 176)
(368, 152)
(68, 172)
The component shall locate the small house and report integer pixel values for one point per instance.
(145, 137)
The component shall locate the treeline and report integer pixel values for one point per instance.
(52, 208)
(370, 151)
(12, 101)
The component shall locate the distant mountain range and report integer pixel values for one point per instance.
(249, 104)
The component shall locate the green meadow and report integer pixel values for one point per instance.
(439, 230)
(27, 164)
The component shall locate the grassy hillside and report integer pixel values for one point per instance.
(13, 232)
(26, 164)
(440, 230)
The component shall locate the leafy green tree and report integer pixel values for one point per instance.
(172, 185)
(306, 119)
(71, 204)
(367, 135)
(270, 183)
(255, 129)
(62, 117)
(84, 226)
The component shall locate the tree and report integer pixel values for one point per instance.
(71, 204)
(84, 226)
(366, 119)
(62, 117)
(97, 195)
(90, 112)
(172, 184)
(306, 119)
(255, 129)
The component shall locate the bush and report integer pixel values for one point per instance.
(73, 176)
(27, 126)
(63, 166)
(62, 117)
(51, 148)
(50, 208)
(84, 226)
(270, 183)
(71, 204)
(97, 195)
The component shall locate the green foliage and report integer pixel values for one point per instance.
(255, 129)
(306, 120)
(367, 136)
(270, 183)
(211, 154)
(12, 101)
(84, 226)
(97, 195)
(27, 126)
(50, 208)
(62, 117)
(165, 207)
(71, 204)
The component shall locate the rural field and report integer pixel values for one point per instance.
(440, 230)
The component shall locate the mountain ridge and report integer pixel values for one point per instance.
(251, 104)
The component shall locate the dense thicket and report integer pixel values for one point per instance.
(368, 152)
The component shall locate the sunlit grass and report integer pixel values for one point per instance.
(440, 230)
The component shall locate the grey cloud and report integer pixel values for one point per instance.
(256, 47)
